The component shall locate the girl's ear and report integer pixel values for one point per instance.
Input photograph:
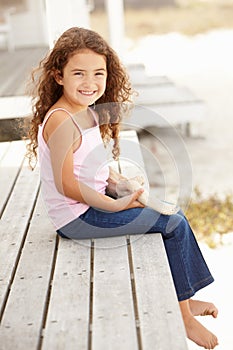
(58, 77)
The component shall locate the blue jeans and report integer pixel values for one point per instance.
(189, 270)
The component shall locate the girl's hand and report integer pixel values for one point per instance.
(129, 201)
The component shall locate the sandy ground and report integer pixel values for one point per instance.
(204, 64)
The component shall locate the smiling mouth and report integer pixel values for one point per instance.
(87, 93)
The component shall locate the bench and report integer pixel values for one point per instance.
(163, 103)
(14, 113)
(112, 293)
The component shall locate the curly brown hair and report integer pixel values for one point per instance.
(45, 91)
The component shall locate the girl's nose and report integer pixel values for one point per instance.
(88, 81)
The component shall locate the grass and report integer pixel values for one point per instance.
(211, 217)
(197, 17)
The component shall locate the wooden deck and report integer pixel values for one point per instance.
(56, 294)
(15, 68)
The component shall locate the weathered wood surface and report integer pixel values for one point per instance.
(166, 115)
(15, 69)
(12, 107)
(165, 104)
(139, 77)
(113, 293)
(165, 94)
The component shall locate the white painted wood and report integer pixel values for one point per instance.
(23, 315)
(131, 155)
(27, 257)
(116, 24)
(160, 319)
(15, 107)
(181, 113)
(13, 225)
(139, 77)
(28, 24)
(13, 81)
(163, 94)
(64, 14)
(166, 115)
(4, 146)
(113, 312)
(137, 71)
(67, 325)
(165, 104)
(10, 164)
(152, 81)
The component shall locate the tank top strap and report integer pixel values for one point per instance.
(71, 116)
(94, 114)
(55, 110)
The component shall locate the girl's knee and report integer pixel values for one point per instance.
(176, 223)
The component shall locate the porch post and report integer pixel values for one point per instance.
(64, 14)
(116, 25)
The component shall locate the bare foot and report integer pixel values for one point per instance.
(194, 329)
(202, 308)
(199, 334)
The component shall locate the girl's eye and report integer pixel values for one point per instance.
(99, 74)
(78, 73)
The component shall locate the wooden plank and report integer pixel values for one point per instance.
(14, 72)
(3, 149)
(164, 94)
(13, 225)
(24, 312)
(113, 311)
(12, 159)
(12, 107)
(180, 113)
(67, 325)
(15, 68)
(165, 115)
(131, 160)
(152, 273)
(152, 81)
(7, 69)
(139, 77)
(35, 56)
(75, 315)
(138, 68)
(161, 324)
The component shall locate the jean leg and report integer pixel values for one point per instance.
(188, 267)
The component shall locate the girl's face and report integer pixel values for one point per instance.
(84, 78)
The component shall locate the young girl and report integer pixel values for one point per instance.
(81, 71)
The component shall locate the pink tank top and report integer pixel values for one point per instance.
(90, 167)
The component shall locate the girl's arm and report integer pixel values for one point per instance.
(63, 138)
